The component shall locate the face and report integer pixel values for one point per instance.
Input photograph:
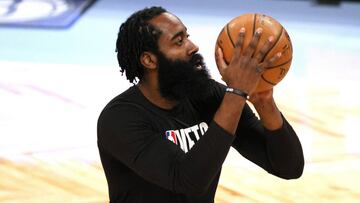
(182, 72)
(174, 40)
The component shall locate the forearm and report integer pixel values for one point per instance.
(283, 146)
(285, 152)
(198, 168)
(205, 159)
(277, 151)
(269, 114)
(229, 112)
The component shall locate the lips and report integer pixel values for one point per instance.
(198, 67)
(198, 62)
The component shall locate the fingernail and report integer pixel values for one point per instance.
(259, 30)
(271, 38)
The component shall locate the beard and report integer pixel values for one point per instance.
(179, 79)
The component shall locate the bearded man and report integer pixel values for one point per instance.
(165, 138)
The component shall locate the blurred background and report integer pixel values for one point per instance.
(58, 69)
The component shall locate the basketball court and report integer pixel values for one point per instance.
(55, 81)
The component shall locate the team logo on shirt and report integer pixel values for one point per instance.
(187, 137)
(170, 135)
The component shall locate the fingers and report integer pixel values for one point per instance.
(239, 43)
(253, 43)
(219, 58)
(270, 62)
(265, 49)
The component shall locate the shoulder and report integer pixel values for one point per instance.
(126, 106)
(128, 95)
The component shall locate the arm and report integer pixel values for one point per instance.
(278, 151)
(271, 143)
(127, 133)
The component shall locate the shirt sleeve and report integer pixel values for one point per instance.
(279, 152)
(127, 134)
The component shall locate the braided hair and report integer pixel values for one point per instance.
(135, 36)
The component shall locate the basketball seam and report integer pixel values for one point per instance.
(227, 63)
(228, 33)
(277, 40)
(254, 24)
(262, 76)
(272, 67)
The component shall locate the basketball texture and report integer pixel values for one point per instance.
(282, 43)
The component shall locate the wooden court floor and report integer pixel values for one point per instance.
(325, 117)
(319, 97)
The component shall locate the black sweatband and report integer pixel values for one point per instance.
(237, 92)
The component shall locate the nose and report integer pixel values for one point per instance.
(193, 48)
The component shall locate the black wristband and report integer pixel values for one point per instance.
(237, 92)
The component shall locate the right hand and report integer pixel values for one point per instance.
(245, 68)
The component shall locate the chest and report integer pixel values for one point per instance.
(183, 126)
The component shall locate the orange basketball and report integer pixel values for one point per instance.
(282, 43)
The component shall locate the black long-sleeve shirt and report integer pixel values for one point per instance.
(151, 154)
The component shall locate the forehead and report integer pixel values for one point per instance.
(168, 24)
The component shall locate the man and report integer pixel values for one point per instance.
(166, 138)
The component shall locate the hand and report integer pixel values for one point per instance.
(245, 67)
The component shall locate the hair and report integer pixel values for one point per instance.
(135, 36)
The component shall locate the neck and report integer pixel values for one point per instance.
(151, 91)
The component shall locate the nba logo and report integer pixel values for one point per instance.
(170, 135)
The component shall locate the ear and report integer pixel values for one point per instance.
(148, 60)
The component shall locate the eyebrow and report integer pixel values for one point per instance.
(180, 33)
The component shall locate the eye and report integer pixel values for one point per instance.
(180, 39)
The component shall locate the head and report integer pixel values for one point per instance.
(135, 37)
(160, 46)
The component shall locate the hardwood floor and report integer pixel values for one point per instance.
(53, 84)
(331, 172)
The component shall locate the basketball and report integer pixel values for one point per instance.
(282, 43)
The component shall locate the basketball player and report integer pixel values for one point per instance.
(165, 138)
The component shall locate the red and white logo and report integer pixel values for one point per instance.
(170, 135)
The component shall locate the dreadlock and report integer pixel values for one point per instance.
(135, 36)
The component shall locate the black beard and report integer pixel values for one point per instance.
(180, 79)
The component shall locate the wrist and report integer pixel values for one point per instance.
(237, 92)
(263, 104)
(269, 114)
